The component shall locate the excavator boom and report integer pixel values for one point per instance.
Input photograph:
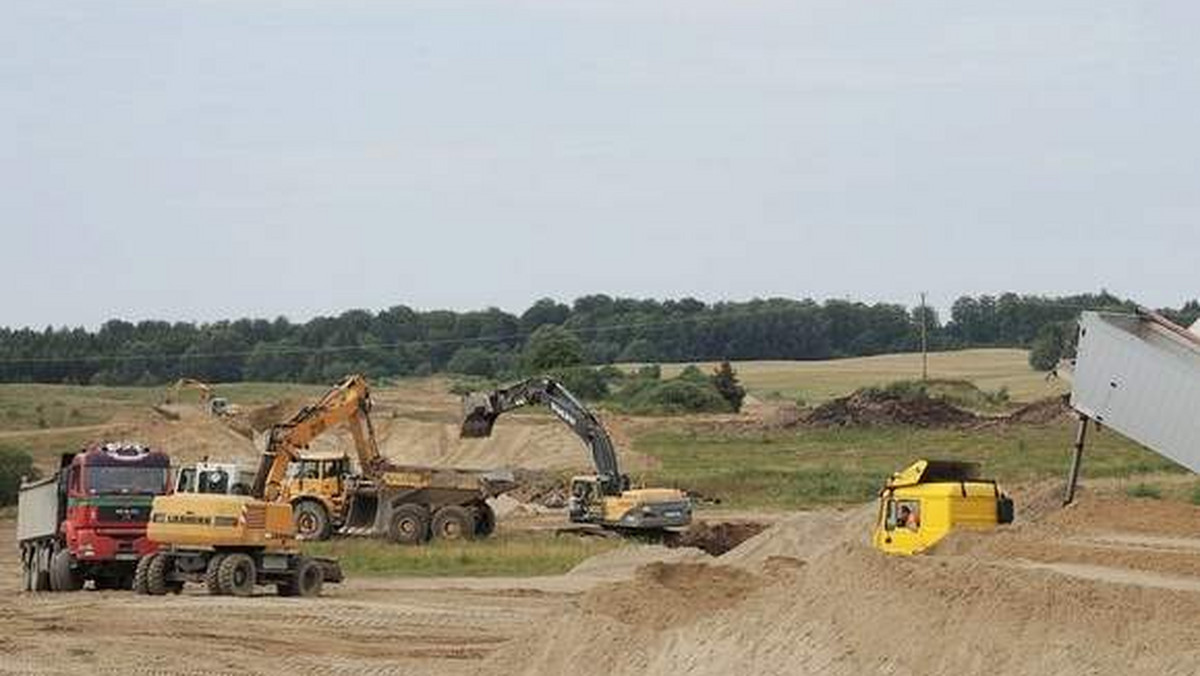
(348, 402)
(483, 411)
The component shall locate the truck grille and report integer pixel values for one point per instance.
(123, 513)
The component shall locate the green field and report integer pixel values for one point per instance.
(803, 468)
(505, 554)
(818, 381)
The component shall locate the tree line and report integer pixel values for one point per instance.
(401, 341)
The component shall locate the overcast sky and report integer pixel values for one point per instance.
(226, 158)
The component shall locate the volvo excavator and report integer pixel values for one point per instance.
(605, 498)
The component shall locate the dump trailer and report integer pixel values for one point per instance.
(407, 504)
(925, 502)
(88, 520)
(1139, 375)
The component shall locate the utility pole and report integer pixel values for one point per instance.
(924, 342)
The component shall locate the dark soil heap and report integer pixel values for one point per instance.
(874, 406)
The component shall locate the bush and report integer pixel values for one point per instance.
(1144, 491)
(673, 396)
(472, 361)
(726, 383)
(14, 464)
(552, 347)
(583, 382)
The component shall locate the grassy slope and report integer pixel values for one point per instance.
(809, 467)
(515, 554)
(817, 381)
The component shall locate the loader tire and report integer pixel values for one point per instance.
(409, 525)
(307, 579)
(237, 575)
(63, 577)
(311, 520)
(26, 575)
(212, 575)
(453, 522)
(485, 520)
(140, 574)
(156, 575)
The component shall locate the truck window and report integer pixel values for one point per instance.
(310, 469)
(214, 481)
(113, 480)
(903, 514)
(187, 480)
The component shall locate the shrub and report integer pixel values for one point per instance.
(14, 464)
(1143, 490)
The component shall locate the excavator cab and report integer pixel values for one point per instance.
(585, 503)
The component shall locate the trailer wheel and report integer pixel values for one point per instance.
(409, 525)
(237, 575)
(485, 520)
(453, 522)
(26, 573)
(212, 575)
(312, 520)
(156, 575)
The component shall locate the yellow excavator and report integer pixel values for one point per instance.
(603, 499)
(218, 407)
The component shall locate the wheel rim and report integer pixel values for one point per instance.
(408, 526)
(451, 529)
(240, 576)
(306, 524)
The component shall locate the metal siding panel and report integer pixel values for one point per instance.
(37, 510)
(1142, 382)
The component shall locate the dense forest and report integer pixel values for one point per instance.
(594, 329)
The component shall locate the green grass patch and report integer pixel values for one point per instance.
(803, 468)
(1144, 490)
(505, 554)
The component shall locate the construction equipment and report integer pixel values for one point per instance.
(923, 503)
(221, 478)
(1138, 374)
(218, 407)
(88, 520)
(604, 498)
(407, 504)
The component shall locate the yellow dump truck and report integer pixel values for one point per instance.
(923, 503)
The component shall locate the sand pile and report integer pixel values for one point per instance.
(844, 608)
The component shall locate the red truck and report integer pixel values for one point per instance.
(88, 521)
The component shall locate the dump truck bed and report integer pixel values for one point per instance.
(38, 508)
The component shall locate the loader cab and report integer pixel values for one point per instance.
(214, 478)
(925, 502)
(318, 475)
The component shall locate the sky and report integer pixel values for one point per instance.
(208, 159)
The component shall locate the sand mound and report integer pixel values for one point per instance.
(620, 564)
(880, 407)
(843, 608)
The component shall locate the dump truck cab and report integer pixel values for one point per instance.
(924, 502)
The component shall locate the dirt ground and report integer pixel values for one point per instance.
(1108, 586)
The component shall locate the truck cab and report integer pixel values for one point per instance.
(88, 521)
(922, 504)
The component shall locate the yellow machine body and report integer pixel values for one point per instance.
(211, 521)
(925, 502)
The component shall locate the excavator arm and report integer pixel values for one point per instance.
(349, 402)
(483, 410)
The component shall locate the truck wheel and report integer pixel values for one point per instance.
(312, 520)
(237, 575)
(485, 520)
(141, 574)
(409, 525)
(212, 575)
(453, 522)
(307, 579)
(26, 572)
(156, 575)
(63, 577)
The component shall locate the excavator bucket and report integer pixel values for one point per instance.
(477, 423)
